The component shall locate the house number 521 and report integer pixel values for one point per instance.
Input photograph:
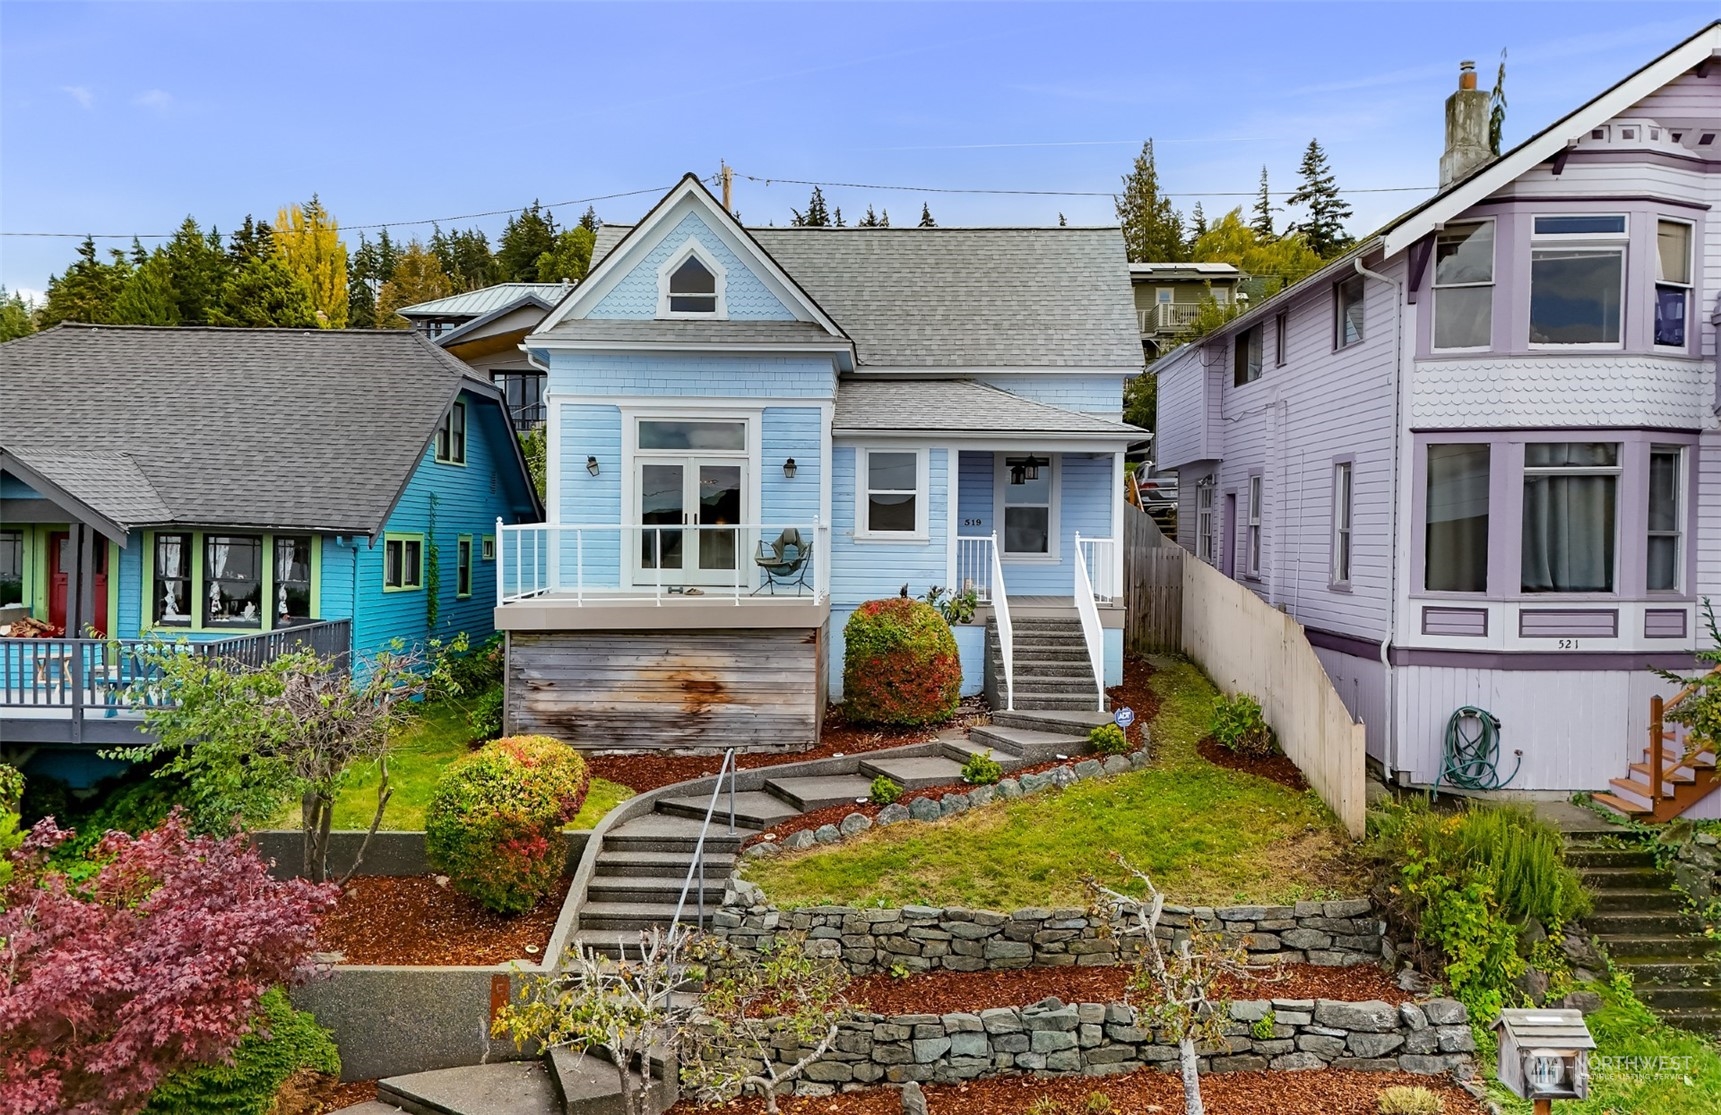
(1568, 644)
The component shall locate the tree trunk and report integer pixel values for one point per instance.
(326, 821)
(1191, 1078)
(383, 792)
(308, 827)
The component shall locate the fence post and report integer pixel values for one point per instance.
(1657, 707)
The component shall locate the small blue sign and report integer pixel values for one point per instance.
(1124, 716)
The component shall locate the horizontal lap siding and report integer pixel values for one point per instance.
(974, 510)
(591, 429)
(745, 296)
(1182, 412)
(1084, 507)
(1361, 685)
(746, 377)
(660, 690)
(1709, 515)
(863, 570)
(790, 432)
(1088, 393)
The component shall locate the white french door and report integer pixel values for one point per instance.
(677, 492)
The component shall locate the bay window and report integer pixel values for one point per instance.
(1672, 281)
(292, 579)
(1664, 561)
(233, 580)
(1577, 279)
(1570, 506)
(1455, 539)
(1464, 286)
(171, 596)
(11, 567)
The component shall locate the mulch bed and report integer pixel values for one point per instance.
(945, 992)
(1135, 694)
(1276, 767)
(350, 1094)
(1146, 1092)
(643, 771)
(409, 919)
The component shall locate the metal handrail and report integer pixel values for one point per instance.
(697, 867)
(1006, 630)
(1089, 614)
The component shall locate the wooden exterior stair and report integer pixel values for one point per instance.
(1674, 775)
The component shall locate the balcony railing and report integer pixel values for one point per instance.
(593, 563)
(1168, 317)
(974, 566)
(113, 675)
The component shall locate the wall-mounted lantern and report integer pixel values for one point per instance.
(1544, 1055)
(789, 469)
(592, 465)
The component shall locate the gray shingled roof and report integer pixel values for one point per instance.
(474, 303)
(268, 428)
(877, 405)
(964, 297)
(694, 331)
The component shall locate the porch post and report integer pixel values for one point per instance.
(1115, 573)
(86, 581)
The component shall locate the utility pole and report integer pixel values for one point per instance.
(727, 174)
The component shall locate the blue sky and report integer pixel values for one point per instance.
(124, 118)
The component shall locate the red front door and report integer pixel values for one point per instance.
(60, 564)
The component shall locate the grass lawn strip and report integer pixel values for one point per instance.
(1207, 836)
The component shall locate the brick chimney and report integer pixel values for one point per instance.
(1466, 128)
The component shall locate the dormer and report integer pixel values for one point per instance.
(691, 284)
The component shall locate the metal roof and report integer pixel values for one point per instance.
(963, 297)
(878, 405)
(484, 300)
(266, 428)
(1168, 269)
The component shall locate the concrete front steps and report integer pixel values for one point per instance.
(1051, 667)
(562, 1082)
(1645, 927)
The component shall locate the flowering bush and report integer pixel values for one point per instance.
(495, 822)
(155, 964)
(899, 664)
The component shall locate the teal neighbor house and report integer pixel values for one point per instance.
(751, 431)
(247, 490)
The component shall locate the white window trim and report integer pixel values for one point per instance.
(1689, 286)
(922, 496)
(1344, 499)
(1001, 480)
(1678, 532)
(631, 415)
(1253, 509)
(1575, 237)
(1435, 287)
(700, 252)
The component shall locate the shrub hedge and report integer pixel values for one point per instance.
(1109, 739)
(899, 664)
(494, 824)
(286, 1041)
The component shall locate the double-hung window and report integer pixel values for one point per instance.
(1341, 544)
(692, 288)
(403, 563)
(1672, 281)
(1348, 312)
(1665, 558)
(1464, 286)
(1252, 557)
(11, 567)
(451, 436)
(233, 580)
(892, 503)
(1204, 520)
(1246, 356)
(1455, 539)
(1577, 280)
(171, 606)
(292, 579)
(1280, 323)
(463, 567)
(1570, 510)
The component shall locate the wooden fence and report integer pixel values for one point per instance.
(1152, 587)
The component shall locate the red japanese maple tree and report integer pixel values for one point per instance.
(155, 964)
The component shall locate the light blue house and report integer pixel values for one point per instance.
(247, 490)
(752, 431)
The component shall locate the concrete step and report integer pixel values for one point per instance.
(1675, 946)
(821, 791)
(1593, 857)
(1672, 998)
(660, 832)
(1600, 880)
(915, 772)
(1079, 669)
(1699, 1020)
(1056, 702)
(1644, 923)
(1071, 721)
(507, 1088)
(610, 942)
(659, 890)
(1050, 652)
(1636, 900)
(369, 1107)
(669, 865)
(590, 1085)
(1662, 971)
(960, 750)
(1032, 745)
(643, 915)
(753, 809)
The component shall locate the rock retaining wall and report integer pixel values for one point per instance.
(1094, 1039)
(923, 938)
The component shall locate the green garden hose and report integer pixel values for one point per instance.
(1472, 759)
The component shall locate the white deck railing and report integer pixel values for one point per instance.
(1006, 631)
(1100, 556)
(611, 562)
(974, 566)
(1088, 611)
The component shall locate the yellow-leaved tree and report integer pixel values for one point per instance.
(417, 277)
(308, 240)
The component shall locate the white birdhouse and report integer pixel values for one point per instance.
(1544, 1054)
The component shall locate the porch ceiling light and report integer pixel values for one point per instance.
(789, 469)
(1031, 467)
(1017, 474)
(592, 465)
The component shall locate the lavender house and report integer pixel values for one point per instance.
(1478, 456)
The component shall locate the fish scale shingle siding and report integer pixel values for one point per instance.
(745, 296)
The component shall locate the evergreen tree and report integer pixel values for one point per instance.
(308, 241)
(138, 255)
(417, 277)
(884, 218)
(264, 291)
(87, 290)
(525, 238)
(194, 269)
(149, 297)
(1262, 219)
(1152, 228)
(816, 215)
(1062, 222)
(1318, 194)
(589, 220)
(252, 239)
(837, 216)
(465, 257)
(361, 296)
(16, 316)
(570, 259)
(926, 220)
(1197, 223)
(1497, 107)
(868, 221)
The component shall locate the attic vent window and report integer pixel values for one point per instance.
(1628, 133)
(1598, 133)
(692, 289)
(1706, 139)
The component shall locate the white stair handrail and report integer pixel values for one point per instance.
(1089, 614)
(1006, 633)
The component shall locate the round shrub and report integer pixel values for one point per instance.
(981, 769)
(899, 664)
(1109, 739)
(1239, 726)
(494, 824)
(884, 791)
(285, 1043)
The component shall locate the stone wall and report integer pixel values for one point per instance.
(923, 938)
(1093, 1039)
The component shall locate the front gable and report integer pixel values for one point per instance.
(741, 294)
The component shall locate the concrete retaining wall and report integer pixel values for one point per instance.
(923, 938)
(1101, 1038)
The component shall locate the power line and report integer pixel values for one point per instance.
(1063, 193)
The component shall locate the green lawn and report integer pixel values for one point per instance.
(1640, 1067)
(1205, 835)
(436, 737)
